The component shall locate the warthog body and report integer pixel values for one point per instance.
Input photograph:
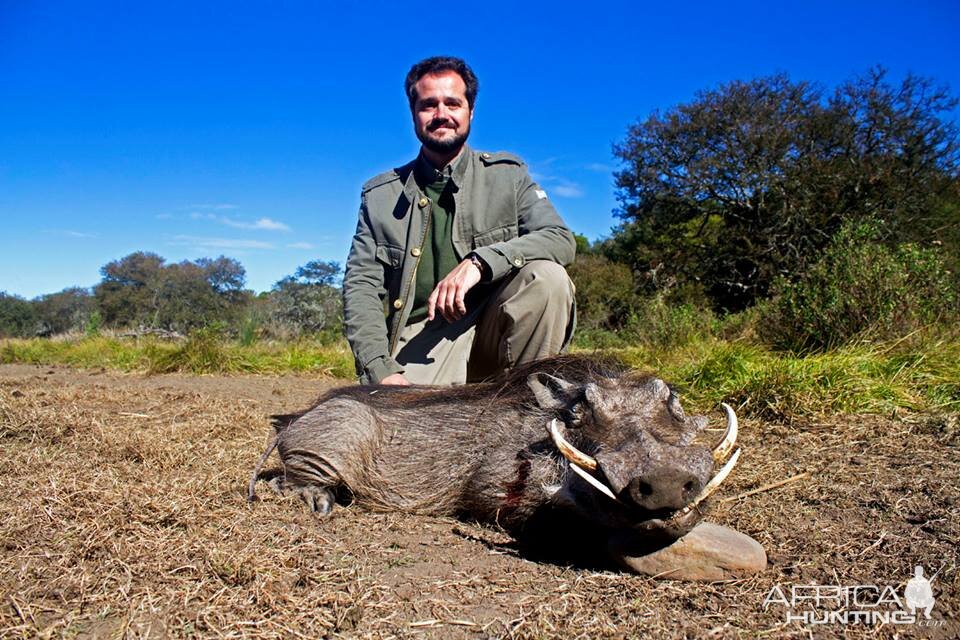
(485, 452)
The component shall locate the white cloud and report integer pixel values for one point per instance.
(261, 224)
(219, 243)
(73, 234)
(599, 167)
(567, 189)
(266, 224)
(554, 183)
(300, 245)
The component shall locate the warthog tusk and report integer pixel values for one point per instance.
(593, 482)
(710, 488)
(572, 454)
(722, 450)
(580, 462)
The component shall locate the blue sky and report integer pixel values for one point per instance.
(196, 129)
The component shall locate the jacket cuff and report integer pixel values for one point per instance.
(378, 369)
(501, 259)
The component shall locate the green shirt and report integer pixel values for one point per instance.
(438, 257)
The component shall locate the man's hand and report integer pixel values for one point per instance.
(447, 297)
(396, 379)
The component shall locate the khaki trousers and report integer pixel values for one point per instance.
(525, 317)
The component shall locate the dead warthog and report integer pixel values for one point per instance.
(565, 442)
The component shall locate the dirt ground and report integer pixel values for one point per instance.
(123, 515)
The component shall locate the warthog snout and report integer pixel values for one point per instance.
(665, 488)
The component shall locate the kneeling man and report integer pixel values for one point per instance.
(456, 272)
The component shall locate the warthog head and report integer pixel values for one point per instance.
(633, 452)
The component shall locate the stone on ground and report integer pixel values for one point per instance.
(709, 552)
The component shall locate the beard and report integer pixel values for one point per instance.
(446, 145)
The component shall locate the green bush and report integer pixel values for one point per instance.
(660, 323)
(860, 289)
(249, 331)
(652, 322)
(204, 351)
(606, 296)
(612, 314)
(93, 325)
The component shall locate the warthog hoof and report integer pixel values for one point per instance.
(319, 500)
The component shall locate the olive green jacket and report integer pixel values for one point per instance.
(500, 214)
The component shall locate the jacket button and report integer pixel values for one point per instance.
(398, 304)
(518, 262)
(415, 252)
(424, 202)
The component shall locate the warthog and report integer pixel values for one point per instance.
(565, 442)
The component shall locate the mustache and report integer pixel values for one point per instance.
(441, 122)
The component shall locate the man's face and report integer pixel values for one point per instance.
(441, 114)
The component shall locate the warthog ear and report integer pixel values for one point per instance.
(552, 392)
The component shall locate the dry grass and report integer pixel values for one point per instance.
(122, 514)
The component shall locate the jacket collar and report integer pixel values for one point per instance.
(453, 171)
(457, 170)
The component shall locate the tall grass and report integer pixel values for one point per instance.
(88, 352)
(917, 373)
(922, 374)
(201, 353)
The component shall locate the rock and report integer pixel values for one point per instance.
(709, 552)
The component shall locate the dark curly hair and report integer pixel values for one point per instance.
(439, 64)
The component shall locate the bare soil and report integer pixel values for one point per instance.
(123, 514)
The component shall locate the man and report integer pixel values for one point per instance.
(456, 269)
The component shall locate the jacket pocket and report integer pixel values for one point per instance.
(493, 236)
(390, 255)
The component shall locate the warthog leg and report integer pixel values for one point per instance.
(319, 499)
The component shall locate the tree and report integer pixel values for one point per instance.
(140, 289)
(749, 182)
(126, 296)
(18, 319)
(194, 294)
(68, 310)
(226, 275)
(319, 273)
(308, 301)
(584, 248)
